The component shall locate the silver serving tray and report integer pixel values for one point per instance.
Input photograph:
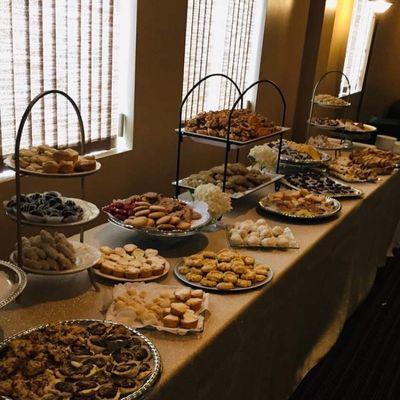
(9, 162)
(238, 195)
(14, 278)
(324, 105)
(213, 289)
(86, 257)
(326, 127)
(356, 192)
(90, 212)
(234, 144)
(274, 211)
(324, 159)
(149, 383)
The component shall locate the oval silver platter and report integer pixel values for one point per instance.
(211, 289)
(9, 162)
(138, 394)
(12, 282)
(90, 212)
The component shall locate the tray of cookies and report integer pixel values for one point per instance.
(172, 309)
(158, 215)
(131, 264)
(50, 162)
(224, 271)
(55, 255)
(78, 359)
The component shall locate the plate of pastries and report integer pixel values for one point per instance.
(175, 309)
(158, 215)
(300, 204)
(358, 127)
(240, 181)
(261, 235)
(348, 171)
(52, 209)
(53, 254)
(323, 142)
(318, 182)
(327, 123)
(300, 153)
(227, 270)
(329, 101)
(246, 126)
(383, 162)
(78, 359)
(130, 264)
(48, 161)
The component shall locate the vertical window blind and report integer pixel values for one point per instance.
(358, 46)
(222, 36)
(70, 45)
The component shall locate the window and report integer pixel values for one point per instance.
(222, 36)
(358, 46)
(71, 45)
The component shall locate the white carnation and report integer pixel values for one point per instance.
(264, 157)
(218, 202)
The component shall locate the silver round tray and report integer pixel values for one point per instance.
(9, 162)
(148, 384)
(14, 278)
(213, 289)
(86, 257)
(326, 127)
(324, 105)
(274, 211)
(90, 212)
(324, 159)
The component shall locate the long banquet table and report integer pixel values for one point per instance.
(257, 344)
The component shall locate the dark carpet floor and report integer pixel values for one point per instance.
(365, 362)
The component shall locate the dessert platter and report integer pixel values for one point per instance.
(300, 153)
(317, 182)
(260, 235)
(12, 282)
(54, 254)
(358, 127)
(348, 171)
(51, 209)
(300, 204)
(48, 161)
(323, 142)
(78, 359)
(247, 127)
(240, 181)
(329, 101)
(326, 123)
(223, 271)
(158, 215)
(166, 308)
(131, 264)
(383, 162)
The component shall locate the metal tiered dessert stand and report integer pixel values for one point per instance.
(19, 173)
(227, 142)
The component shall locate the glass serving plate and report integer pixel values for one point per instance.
(12, 282)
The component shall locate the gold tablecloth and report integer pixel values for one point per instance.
(259, 344)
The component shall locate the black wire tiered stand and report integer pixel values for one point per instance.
(338, 132)
(221, 141)
(15, 165)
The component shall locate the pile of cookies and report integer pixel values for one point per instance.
(349, 171)
(153, 211)
(329, 100)
(46, 159)
(225, 270)
(48, 252)
(245, 124)
(131, 262)
(383, 162)
(140, 305)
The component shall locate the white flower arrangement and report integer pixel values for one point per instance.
(263, 157)
(218, 202)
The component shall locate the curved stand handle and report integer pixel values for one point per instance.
(180, 134)
(240, 98)
(17, 161)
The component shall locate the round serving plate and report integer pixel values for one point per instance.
(324, 159)
(324, 105)
(86, 257)
(138, 394)
(370, 129)
(90, 212)
(326, 127)
(12, 282)
(274, 211)
(213, 289)
(9, 162)
(197, 225)
(122, 279)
